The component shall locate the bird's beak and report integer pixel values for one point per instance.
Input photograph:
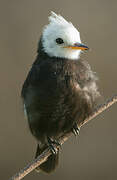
(78, 46)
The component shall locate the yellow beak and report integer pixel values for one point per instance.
(78, 46)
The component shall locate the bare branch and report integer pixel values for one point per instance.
(43, 157)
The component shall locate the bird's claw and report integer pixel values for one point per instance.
(51, 144)
(75, 130)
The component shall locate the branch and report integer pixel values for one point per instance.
(43, 157)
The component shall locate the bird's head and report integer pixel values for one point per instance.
(61, 39)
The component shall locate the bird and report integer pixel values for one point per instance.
(60, 90)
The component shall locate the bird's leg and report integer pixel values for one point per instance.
(51, 143)
(75, 129)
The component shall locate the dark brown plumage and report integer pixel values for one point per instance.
(57, 93)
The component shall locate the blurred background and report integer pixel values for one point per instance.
(92, 155)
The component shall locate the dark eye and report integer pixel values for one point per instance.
(59, 41)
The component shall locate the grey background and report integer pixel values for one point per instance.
(92, 156)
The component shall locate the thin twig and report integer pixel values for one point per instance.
(43, 157)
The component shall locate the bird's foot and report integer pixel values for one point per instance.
(76, 129)
(51, 144)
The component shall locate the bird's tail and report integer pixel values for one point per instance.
(51, 163)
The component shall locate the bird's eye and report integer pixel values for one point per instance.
(59, 41)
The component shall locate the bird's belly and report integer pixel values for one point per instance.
(57, 113)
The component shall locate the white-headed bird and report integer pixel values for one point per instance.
(60, 90)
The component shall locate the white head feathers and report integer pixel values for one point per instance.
(62, 29)
(58, 19)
